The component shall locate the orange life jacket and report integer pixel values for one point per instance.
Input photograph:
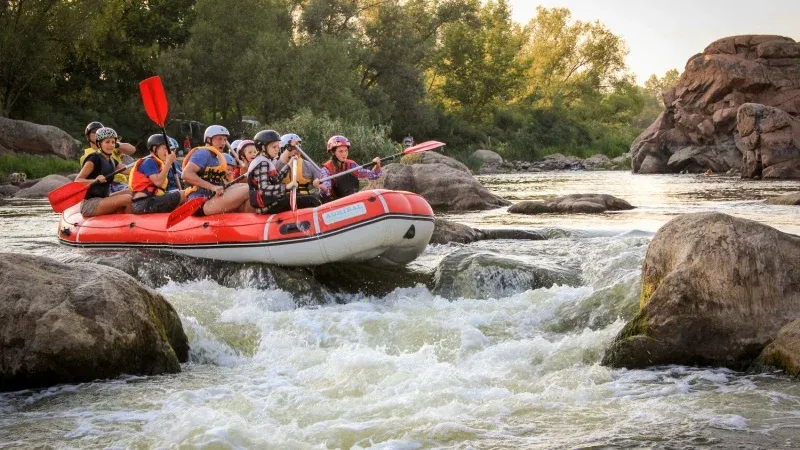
(140, 182)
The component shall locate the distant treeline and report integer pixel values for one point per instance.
(460, 71)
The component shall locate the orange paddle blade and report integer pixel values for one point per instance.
(423, 147)
(67, 195)
(154, 99)
(185, 210)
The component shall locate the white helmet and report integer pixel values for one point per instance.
(104, 133)
(235, 145)
(286, 139)
(215, 130)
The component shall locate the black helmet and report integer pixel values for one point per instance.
(154, 141)
(93, 126)
(263, 138)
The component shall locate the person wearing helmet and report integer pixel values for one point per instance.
(151, 175)
(267, 191)
(246, 154)
(307, 173)
(408, 141)
(339, 148)
(206, 169)
(120, 180)
(99, 199)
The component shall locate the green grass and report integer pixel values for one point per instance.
(35, 166)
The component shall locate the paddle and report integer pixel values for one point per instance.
(308, 158)
(423, 147)
(189, 208)
(293, 195)
(155, 103)
(72, 193)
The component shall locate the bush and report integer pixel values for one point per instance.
(35, 166)
(367, 141)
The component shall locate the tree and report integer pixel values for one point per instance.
(479, 67)
(568, 59)
(656, 86)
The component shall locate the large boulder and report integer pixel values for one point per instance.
(43, 187)
(786, 199)
(491, 160)
(572, 204)
(784, 351)
(19, 136)
(72, 323)
(715, 291)
(697, 130)
(444, 182)
(770, 141)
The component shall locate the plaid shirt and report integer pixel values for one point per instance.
(267, 178)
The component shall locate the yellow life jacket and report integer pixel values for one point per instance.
(303, 183)
(214, 175)
(116, 155)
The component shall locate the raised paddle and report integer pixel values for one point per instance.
(155, 103)
(293, 195)
(423, 147)
(73, 193)
(189, 208)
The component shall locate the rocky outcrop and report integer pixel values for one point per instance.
(770, 142)
(715, 291)
(784, 351)
(786, 199)
(697, 130)
(77, 322)
(42, 187)
(446, 231)
(572, 204)
(444, 182)
(19, 136)
(598, 161)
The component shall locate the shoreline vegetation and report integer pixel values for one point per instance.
(35, 166)
(462, 72)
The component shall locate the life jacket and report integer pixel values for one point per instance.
(303, 183)
(346, 184)
(214, 175)
(107, 166)
(116, 155)
(140, 182)
(259, 199)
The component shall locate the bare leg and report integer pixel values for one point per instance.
(230, 201)
(120, 202)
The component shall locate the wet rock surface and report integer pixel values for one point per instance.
(572, 204)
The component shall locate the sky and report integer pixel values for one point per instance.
(663, 35)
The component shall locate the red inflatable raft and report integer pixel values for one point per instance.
(392, 227)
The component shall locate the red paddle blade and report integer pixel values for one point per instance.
(185, 210)
(67, 195)
(423, 147)
(154, 99)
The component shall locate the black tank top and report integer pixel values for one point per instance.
(102, 166)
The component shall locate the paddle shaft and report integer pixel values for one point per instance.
(363, 166)
(110, 177)
(308, 158)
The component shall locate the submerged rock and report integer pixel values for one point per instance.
(784, 351)
(786, 199)
(71, 323)
(466, 273)
(447, 231)
(572, 204)
(715, 291)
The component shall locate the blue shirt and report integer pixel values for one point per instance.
(149, 167)
(203, 158)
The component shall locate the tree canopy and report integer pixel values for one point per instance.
(458, 70)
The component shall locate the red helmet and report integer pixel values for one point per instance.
(337, 141)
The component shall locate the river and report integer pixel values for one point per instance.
(486, 358)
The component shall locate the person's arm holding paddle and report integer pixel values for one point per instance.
(190, 176)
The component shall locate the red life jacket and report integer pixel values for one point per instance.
(346, 184)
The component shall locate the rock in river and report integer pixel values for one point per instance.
(72, 323)
(572, 204)
(715, 291)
